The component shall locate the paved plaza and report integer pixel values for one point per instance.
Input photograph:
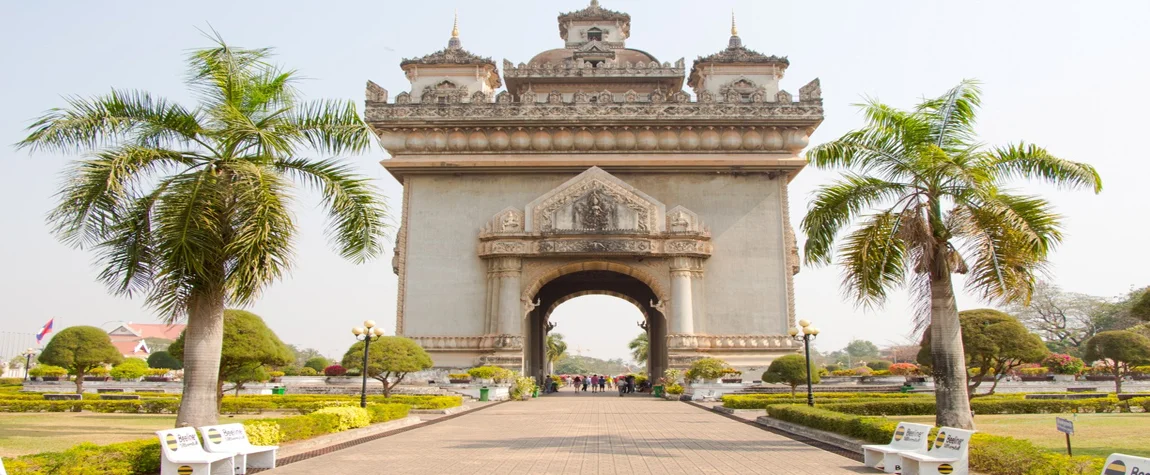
(582, 433)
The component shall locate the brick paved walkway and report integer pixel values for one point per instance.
(585, 434)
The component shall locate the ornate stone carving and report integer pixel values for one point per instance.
(595, 246)
(659, 305)
(554, 97)
(504, 98)
(375, 93)
(403, 98)
(630, 96)
(581, 97)
(813, 91)
(480, 97)
(528, 98)
(595, 202)
(510, 220)
(680, 97)
(784, 97)
(730, 342)
(605, 97)
(706, 97)
(683, 220)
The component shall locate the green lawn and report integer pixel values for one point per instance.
(1098, 435)
(22, 434)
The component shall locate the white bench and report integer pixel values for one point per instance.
(182, 454)
(233, 439)
(2, 471)
(907, 438)
(1122, 464)
(949, 455)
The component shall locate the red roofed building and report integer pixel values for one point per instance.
(132, 338)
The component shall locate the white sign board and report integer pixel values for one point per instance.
(1065, 426)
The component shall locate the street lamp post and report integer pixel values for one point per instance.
(28, 361)
(805, 333)
(367, 333)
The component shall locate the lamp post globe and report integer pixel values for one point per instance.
(805, 334)
(367, 333)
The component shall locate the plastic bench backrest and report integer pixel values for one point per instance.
(1122, 464)
(951, 443)
(225, 438)
(2, 471)
(908, 436)
(180, 443)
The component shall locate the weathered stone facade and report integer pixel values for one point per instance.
(594, 172)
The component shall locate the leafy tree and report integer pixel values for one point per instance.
(248, 344)
(190, 206)
(79, 349)
(578, 364)
(924, 200)
(994, 343)
(556, 349)
(1065, 319)
(1143, 329)
(245, 375)
(131, 368)
(388, 357)
(1140, 307)
(861, 349)
(640, 347)
(706, 368)
(1118, 351)
(17, 362)
(302, 356)
(164, 360)
(790, 370)
(318, 363)
(572, 364)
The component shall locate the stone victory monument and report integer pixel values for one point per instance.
(594, 172)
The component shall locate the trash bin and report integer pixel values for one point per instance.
(483, 393)
(536, 392)
(906, 388)
(280, 390)
(658, 392)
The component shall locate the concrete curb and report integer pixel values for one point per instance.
(447, 412)
(737, 412)
(296, 448)
(830, 438)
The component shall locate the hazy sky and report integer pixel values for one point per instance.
(1071, 76)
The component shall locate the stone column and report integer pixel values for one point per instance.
(682, 307)
(509, 311)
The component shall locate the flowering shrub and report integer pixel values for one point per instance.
(523, 387)
(1033, 371)
(1063, 364)
(842, 372)
(484, 372)
(862, 371)
(903, 369)
(706, 368)
(675, 388)
(334, 370)
(670, 376)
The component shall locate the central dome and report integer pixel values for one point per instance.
(560, 55)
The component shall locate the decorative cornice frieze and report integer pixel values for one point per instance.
(469, 343)
(729, 342)
(540, 245)
(575, 140)
(584, 69)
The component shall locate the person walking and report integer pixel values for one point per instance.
(630, 383)
(602, 383)
(576, 382)
(585, 383)
(594, 381)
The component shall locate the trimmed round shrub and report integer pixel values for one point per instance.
(308, 371)
(317, 363)
(879, 365)
(163, 359)
(706, 368)
(484, 372)
(903, 369)
(131, 368)
(334, 370)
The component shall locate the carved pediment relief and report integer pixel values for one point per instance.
(683, 220)
(510, 220)
(595, 202)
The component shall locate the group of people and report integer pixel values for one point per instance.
(597, 383)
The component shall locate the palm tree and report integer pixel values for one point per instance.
(926, 200)
(556, 350)
(190, 207)
(640, 347)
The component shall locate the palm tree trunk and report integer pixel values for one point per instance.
(952, 408)
(203, 343)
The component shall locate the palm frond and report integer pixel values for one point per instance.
(1004, 260)
(129, 253)
(873, 259)
(358, 216)
(332, 127)
(95, 188)
(952, 115)
(1030, 161)
(835, 205)
(118, 118)
(260, 248)
(189, 238)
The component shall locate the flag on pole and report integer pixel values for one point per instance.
(44, 331)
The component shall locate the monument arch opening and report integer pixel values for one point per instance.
(594, 278)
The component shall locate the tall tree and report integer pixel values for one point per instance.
(1118, 351)
(640, 348)
(556, 350)
(926, 200)
(79, 349)
(248, 345)
(190, 206)
(861, 349)
(994, 343)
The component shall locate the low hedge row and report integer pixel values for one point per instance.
(761, 401)
(325, 421)
(143, 406)
(993, 406)
(988, 453)
(311, 402)
(139, 457)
